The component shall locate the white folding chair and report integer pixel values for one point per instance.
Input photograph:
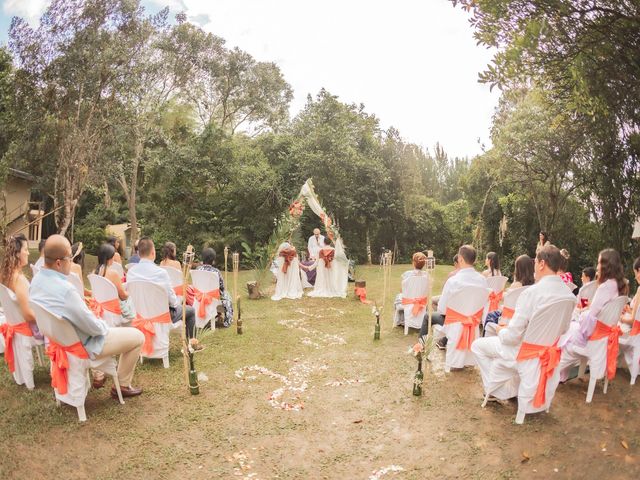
(595, 352)
(207, 283)
(34, 270)
(106, 294)
(76, 281)
(118, 268)
(572, 286)
(61, 331)
(630, 348)
(509, 378)
(22, 344)
(496, 284)
(414, 288)
(152, 301)
(588, 291)
(128, 266)
(470, 303)
(508, 310)
(177, 281)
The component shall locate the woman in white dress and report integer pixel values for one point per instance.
(332, 271)
(288, 283)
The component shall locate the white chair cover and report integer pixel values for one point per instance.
(497, 283)
(104, 290)
(288, 285)
(332, 281)
(205, 282)
(510, 378)
(467, 302)
(118, 268)
(2, 320)
(175, 276)
(22, 344)
(76, 281)
(509, 301)
(414, 286)
(34, 270)
(151, 300)
(572, 286)
(62, 332)
(588, 291)
(630, 348)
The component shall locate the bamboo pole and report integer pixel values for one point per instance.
(226, 256)
(186, 266)
(236, 296)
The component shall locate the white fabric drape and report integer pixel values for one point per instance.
(288, 285)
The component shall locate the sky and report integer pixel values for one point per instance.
(412, 63)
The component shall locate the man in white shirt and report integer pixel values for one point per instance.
(548, 288)
(466, 276)
(315, 244)
(147, 271)
(51, 289)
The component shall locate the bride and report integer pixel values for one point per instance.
(332, 271)
(288, 283)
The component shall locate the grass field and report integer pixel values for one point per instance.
(348, 411)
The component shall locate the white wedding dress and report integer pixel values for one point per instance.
(288, 285)
(332, 281)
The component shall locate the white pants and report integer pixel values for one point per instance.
(488, 349)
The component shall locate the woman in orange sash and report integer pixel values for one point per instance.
(106, 254)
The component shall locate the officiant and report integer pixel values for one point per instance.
(314, 245)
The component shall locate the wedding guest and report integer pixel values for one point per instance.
(588, 275)
(135, 258)
(115, 243)
(51, 289)
(16, 257)
(40, 262)
(566, 276)
(456, 267)
(106, 253)
(543, 240)
(77, 266)
(208, 261)
(492, 262)
(169, 256)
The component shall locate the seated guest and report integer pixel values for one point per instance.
(611, 283)
(16, 257)
(466, 277)
(567, 277)
(148, 271)
(629, 315)
(548, 288)
(169, 256)
(135, 258)
(40, 262)
(77, 266)
(492, 262)
(115, 243)
(419, 260)
(456, 267)
(522, 277)
(588, 275)
(106, 252)
(51, 289)
(208, 262)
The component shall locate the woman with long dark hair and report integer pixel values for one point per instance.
(543, 240)
(106, 254)
(169, 252)
(115, 243)
(16, 257)
(492, 262)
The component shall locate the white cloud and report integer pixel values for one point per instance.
(31, 10)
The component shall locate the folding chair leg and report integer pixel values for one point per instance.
(116, 383)
(406, 329)
(165, 361)
(39, 355)
(582, 368)
(592, 388)
(606, 384)
(486, 399)
(520, 417)
(82, 416)
(633, 380)
(141, 360)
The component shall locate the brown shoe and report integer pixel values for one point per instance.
(126, 392)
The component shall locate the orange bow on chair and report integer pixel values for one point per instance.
(494, 300)
(635, 329)
(469, 324)
(613, 333)
(549, 359)
(418, 304)
(327, 254)
(60, 363)
(8, 331)
(98, 308)
(205, 298)
(145, 325)
(179, 290)
(507, 313)
(288, 254)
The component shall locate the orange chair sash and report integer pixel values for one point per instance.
(288, 254)
(205, 298)
(635, 329)
(469, 324)
(507, 313)
(179, 290)
(98, 308)
(327, 254)
(418, 304)
(8, 331)
(494, 300)
(613, 333)
(60, 363)
(549, 357)
(145, 325)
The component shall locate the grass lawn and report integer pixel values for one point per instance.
(348, 411)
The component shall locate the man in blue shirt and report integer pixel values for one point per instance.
(51, 289)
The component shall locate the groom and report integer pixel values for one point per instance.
(314, 245)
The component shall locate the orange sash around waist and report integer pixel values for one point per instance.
(205, 298)
(288, 254)
(98, 308)
(507, 313)
(145, 325)
(635, 329)
(549, 357)
(327, 255)
(613, 334)
(469, 324)
(60, 363)
(179, 290)
(418, 304)
(494, 300)
(8, 331)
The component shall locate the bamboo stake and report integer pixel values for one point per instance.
(186, 267)
(226, 256)
(236, 297)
